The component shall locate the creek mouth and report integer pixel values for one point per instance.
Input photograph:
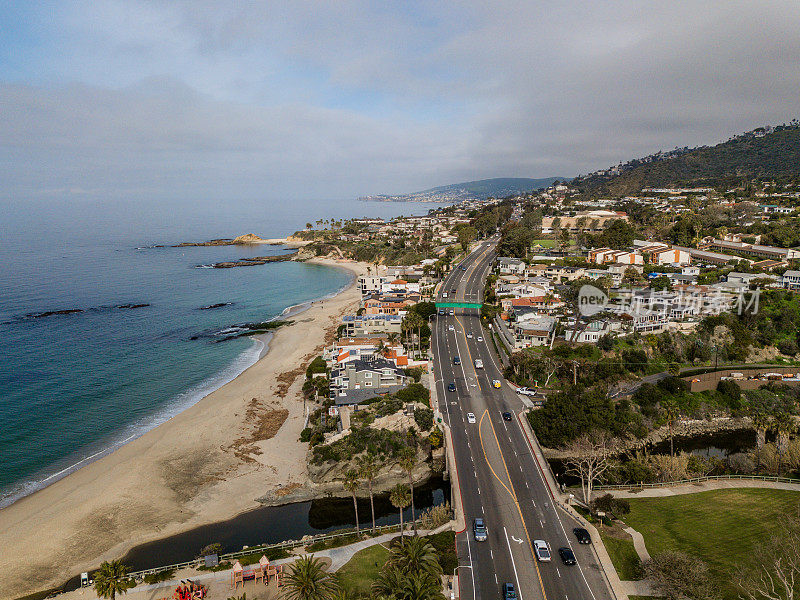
(720, 445)
(273, 524)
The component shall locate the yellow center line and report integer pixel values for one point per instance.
(512, 493)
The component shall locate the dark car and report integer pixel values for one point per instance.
(479, 530)
(567, 556)
(442, 311)
(453, 291)
(509, 593)
(456, 360)
(462, 267)
(582, 535)
(451, 387)
(506, 416)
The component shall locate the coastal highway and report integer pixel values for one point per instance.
(499, 478)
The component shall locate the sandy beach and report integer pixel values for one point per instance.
(207, 464)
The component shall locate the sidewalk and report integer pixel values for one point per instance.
(702, 486)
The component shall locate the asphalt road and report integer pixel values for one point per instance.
(499, 477)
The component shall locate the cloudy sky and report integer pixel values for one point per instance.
(175, 99)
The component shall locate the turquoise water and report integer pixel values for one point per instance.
(74, 387)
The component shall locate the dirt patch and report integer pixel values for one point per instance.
(266, 420)
(185, 475)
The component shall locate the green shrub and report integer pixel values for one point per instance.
(436, 438)
(416, 392)
(305, 435)
(423, 418)
(159, 577)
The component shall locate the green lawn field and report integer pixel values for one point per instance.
(360, 571)
(723, 527)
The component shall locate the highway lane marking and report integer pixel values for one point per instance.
(559, 572)
(514, 565)
(558, 517)
(513, 495)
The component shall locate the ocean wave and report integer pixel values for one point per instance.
(180, 403)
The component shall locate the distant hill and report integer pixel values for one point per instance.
(761, 153)
(471, 190)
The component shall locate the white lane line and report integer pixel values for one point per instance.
(513, 564)
(559, 572)
(495, 580)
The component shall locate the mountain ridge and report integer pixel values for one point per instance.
(480, 189)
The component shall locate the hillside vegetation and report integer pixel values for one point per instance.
(776, 155)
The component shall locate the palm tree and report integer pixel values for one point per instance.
(400, 499)
(308, 581)
(112, 579)
(671, 411)
(407, 461)
(761, 422)
(784, 426)
(417, 555)
(368, 468)
(351, 484)
(420, 586)
(389, 581)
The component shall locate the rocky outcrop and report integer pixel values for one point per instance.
(241, 240)
(251, 261)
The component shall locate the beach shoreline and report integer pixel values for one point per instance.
(206, 464)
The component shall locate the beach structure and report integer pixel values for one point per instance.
(262, 571)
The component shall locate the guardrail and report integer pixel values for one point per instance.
(321, 537)
(629, 486)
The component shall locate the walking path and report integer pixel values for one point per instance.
(638, 544)
(702, 486)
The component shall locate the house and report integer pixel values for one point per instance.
(510, 266)
(534, 331)
(791, 280)
(370, 284)
(593, 331)
(771, 252)
(370, 325)
(602, 256)
(388, 305)
(400, 288)
(375, 374)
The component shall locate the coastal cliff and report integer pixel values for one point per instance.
(241, 240)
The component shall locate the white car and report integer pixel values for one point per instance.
(471, 419)
(469, 336)
(451, 328)
(542, 550)
(480, 339)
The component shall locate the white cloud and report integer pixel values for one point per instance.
(337, 99)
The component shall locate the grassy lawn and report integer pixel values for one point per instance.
(624, 557)
(723, 527)
(545, 243)
(357, 575)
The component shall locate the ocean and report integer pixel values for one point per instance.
(76, 386)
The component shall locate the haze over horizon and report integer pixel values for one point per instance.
(181, 100)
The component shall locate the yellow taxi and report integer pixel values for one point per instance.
(496, 383)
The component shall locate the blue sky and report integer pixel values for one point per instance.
(309, 99)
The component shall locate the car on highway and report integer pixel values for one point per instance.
(453, 291)
(480, 339)
(444, 294)
(451, 387)
(507, 416)
(450, 328)
(525, 391)
(509, 592)
(567, 556)
(542, 550)
(470, 417)
(479, 530)
(496, 383)
(469, 336)
(456, 360)
(582, 535)
(442, 311)
(462, 267)
(478, 363)
(452, 312)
